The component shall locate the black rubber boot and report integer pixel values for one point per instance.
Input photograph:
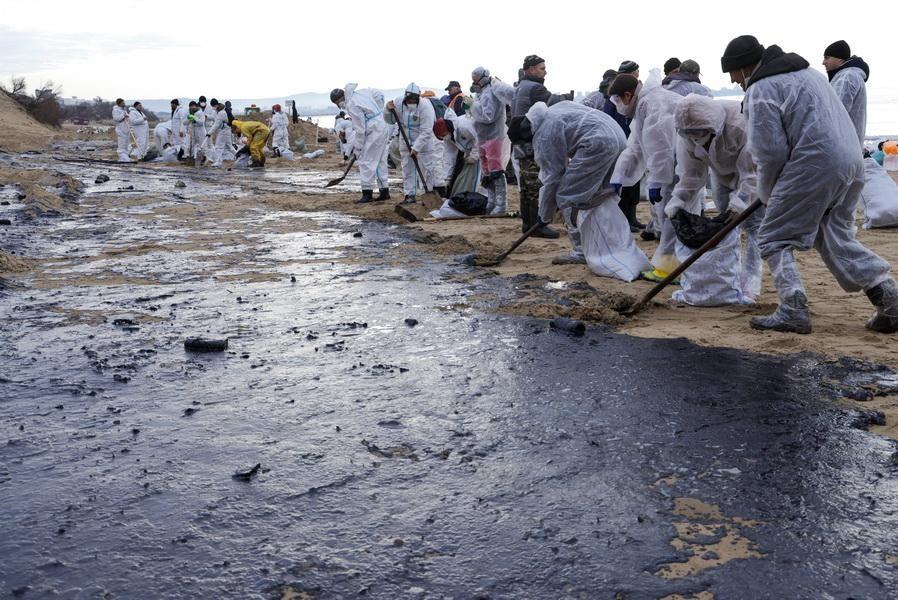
(885, 298)
(383, 195)
(545, 232)
(367, 196)
(409, 199)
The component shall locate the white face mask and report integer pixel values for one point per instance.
(342, 105)
(745, 79)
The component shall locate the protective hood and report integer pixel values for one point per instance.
(855, 61)
(776, 62)
(349, 90)
(700, 112)
(413, 88)
(680, 76)
(537, 115)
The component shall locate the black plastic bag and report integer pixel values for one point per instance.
(694, 230)
(469, 203)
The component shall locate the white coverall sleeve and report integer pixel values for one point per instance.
(747, 189)
(630, 166)
(767, 142)
(551, 155)
(693, 176)
(357, 118)
(426, 138)
(659, 149)
(118, 114)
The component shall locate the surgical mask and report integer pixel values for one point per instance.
(745, 79)
(202, 105)
(341, 105)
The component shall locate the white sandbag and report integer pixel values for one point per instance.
(608, 245)
(314, 154)
(880, 196)
(447, 212)
(287, 153)
(169, 155)
(715, 278)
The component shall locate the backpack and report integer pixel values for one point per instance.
(438, 107)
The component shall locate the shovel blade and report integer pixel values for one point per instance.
(431, 201)
(334, 182)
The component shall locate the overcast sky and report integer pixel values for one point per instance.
(255, 49)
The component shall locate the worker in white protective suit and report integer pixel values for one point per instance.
(809, 174)
(461, 159)
(576, 149)
(178, 122)
(196, 127)
(415, 117)
(651, 147)
(141, 129)
(208, 109)
(712, 135)
(122, 130)
(342, 128)
(220, 136)
(492, 98)
(280, 138)
(848, 75)
(365, 108)
(685, 80)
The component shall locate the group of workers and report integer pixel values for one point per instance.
(205, 130)
(791, 153)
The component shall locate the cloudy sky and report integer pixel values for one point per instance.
(242, 49)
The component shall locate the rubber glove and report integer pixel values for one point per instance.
(655, 195)
(673, 207)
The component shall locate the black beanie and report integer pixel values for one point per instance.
(671, 64)
(532, 61)
(838, 49)
(742, 51)
(628, 66)
(623, 83)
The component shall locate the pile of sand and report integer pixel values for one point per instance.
(45, 191)
(20, 131)
(12, 264)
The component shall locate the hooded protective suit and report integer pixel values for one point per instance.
(365, 108)
(279, 136)
(849, 82)
(122, 132)
(223, 139)
(178, 126)
(141, 131)
(809, 173)
(576, 148)
(652, 147)
(460, 156)
(488, 114)
(198, 128)
(416, 120)
(732, 169)
(342, 127)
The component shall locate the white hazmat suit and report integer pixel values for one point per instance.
(365, 108)
(850, 84)
(488, 113)
(280, 138)
(141, 129)
(810, 174)
(416, 120)
(652, 147)
(576, 148)
(223, 139)
(122, 133)
(713, 135)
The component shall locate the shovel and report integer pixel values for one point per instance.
(709, 245)
(334, 182)
(430, 199)
(498, 260)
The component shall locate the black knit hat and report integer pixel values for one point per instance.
(623, 83)
(628, 66)
(742, 51)
(839, 49)
(532, 61)
(671, 64)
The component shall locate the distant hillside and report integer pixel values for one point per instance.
(20, 131)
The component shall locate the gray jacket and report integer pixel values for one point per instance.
(529, 92)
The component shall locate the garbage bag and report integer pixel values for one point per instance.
(715, 278)
(469, 203)
(880, 196)
(447, 212)
(695, 230)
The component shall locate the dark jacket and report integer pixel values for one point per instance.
(776, 62)
(457, 104)
(854, 61)
(531, 90)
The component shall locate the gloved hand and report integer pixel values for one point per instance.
(391, 105)
(673, 206)
(655, 195)
(617, 188)
(737, 204)
(191, 118)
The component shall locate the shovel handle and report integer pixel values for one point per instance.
(409, 146)
(518, 242)
(709, 245)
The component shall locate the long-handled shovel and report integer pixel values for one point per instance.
(430, 199)
(709, 245)
(498, 260)
(334, 182)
